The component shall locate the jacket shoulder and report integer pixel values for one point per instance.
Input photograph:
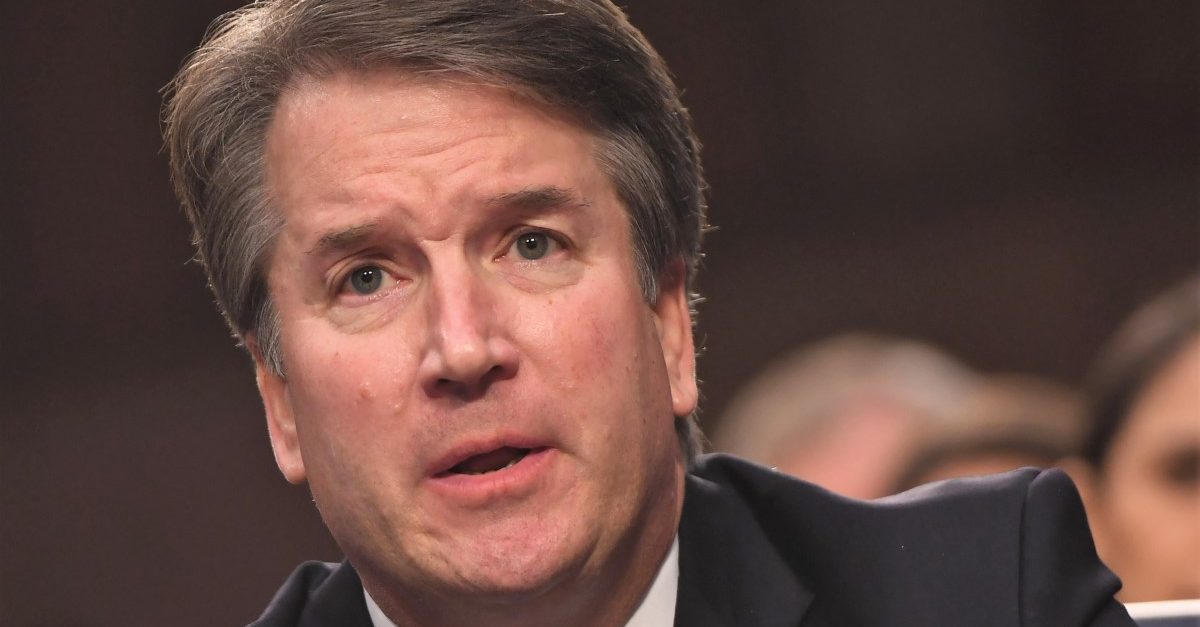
(776, 496)
(1008, 549)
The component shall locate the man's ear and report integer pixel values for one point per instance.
(673, 319)
(281, 421)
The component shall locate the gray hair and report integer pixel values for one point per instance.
(580, 56)
(809, 389)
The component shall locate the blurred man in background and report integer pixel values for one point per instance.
(848, 413)
(1005, 422)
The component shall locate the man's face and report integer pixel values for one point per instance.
(476, 390)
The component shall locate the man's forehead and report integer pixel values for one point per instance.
(316, 115)
(530, 201)
(438, 92)
(376, 142)
(315, 112)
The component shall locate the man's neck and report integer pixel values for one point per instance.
(658, 606)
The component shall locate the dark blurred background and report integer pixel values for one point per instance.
(1006, 180)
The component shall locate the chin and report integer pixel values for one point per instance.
(507, 558)
(521, 580)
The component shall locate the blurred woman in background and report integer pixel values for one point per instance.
(1139, 467)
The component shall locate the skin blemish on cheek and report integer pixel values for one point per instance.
(364, 391)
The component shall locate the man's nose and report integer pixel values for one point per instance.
(469, 348)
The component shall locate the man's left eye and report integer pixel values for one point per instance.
(366, 280)
(533, 245)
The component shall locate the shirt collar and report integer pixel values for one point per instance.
(656, 610)
(658, 606)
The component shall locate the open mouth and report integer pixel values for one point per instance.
(491, 461)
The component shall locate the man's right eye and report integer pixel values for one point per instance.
(366, 280)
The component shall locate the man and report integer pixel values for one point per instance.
(457, 238)
(846, 413)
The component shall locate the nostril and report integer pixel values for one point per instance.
(453, 383)
(470, 388)
(493, 373)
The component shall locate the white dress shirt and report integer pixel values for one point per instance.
(656, 610)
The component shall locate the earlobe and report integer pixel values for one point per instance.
(674, 322)
(281, 421)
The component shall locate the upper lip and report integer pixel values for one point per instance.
(475, 446)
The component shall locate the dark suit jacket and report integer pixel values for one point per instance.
(758, 548)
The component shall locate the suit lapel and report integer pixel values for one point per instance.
(730, 574)
(692, 609)
(338, 602)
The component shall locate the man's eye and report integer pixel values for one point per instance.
(366, 280)
(533, 245)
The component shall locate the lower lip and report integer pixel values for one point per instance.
(514, 482)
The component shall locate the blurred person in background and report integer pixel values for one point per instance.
(1139, 467)
(847, 413)
(1007, 422)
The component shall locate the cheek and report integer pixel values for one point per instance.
(587, 339)
(320, 376)
(1145, 517)
(602, 349)
(342, 387)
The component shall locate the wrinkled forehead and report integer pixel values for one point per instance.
(313, 77)
(437, 102)
(429, 152)
(352, 134)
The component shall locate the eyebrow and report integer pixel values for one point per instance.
(342, 239)
(531, 200)
(536, 199)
